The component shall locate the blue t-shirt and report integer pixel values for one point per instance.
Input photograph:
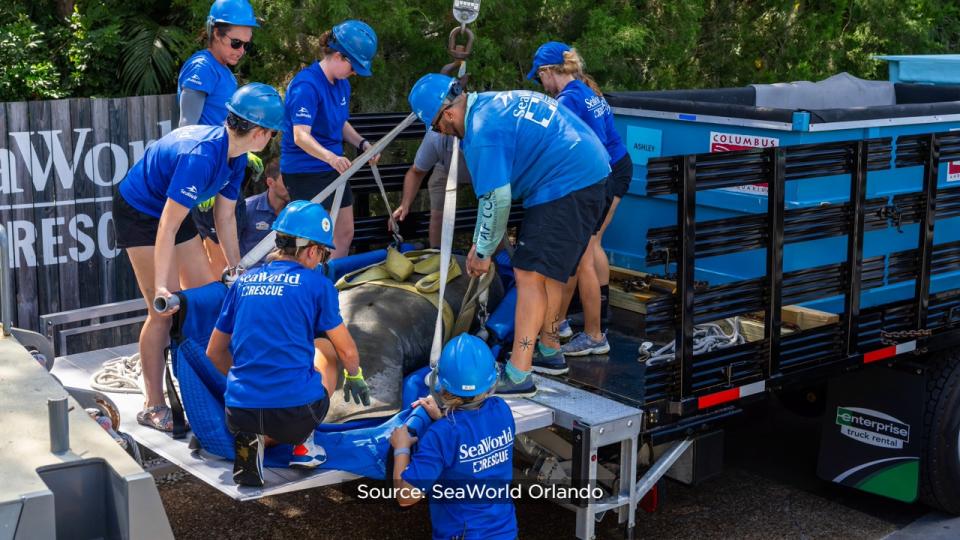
(468, 448)
(595, 111)
(188, 165)
(273, 313)
(202, 72)
(528, 140)
(257, 219)
(314, 101)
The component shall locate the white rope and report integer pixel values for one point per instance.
(120, 375)
(706, 338)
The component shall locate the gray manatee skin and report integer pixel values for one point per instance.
(393, 330)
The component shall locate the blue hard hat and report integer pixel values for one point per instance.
(428, 94)
(258, 103)
(549, 54)
(466, 367)
(358, 42)
(235, 12)
(305, 219)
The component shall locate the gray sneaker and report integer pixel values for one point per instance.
(506, 388)
(583, 345)
(554, 364)
(564, 330)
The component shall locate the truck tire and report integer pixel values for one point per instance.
(940, 460)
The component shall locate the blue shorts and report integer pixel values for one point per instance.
(205, 222)
(554, 235)
(306, 186)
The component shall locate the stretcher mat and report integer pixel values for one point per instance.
(75, 371)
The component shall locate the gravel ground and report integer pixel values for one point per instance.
(768, 490)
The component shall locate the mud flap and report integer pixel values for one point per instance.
(871, 438)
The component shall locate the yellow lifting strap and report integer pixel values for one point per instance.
(398, 267)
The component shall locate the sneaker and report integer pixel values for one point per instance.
(564, 330)
(583, 344)
(507, 389)
(248, 463)
(308, 455)
(554, 364)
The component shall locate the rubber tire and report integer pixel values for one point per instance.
(940, 460)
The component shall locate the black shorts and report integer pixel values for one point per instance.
(205, 222)
(287, 425)
(618, 183)
(554, 235)
(136, 229)
(306, 186)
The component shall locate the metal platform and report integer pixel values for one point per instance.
(75, 371)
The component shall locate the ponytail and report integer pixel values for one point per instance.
(325, 39)
(573, 65)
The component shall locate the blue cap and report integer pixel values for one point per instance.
(235, 12)
(549, 54)
(358, 42)
(305, 219)
(258, 103)
(466, 367)
(428, 94)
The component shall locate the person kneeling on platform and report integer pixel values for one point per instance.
(265, 342)
(464, 459)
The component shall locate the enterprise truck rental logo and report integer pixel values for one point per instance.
(872, 427)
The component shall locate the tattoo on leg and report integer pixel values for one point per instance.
(525, 343)
(554, 331)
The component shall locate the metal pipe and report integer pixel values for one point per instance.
(161, 304)
(6, 282)
(57, 411)
(266, 245)
(661, 466)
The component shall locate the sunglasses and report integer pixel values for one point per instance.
(237, 43)
(436, 122)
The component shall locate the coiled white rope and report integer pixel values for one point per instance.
(121, 375)
(706, 338)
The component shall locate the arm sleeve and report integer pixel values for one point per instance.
(428, 462)
(493, 211)
(191, 106)
(192, 169)
(225, 321)
(302, 104)
(428, 153)
(329, 316)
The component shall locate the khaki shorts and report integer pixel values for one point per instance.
(437, 186)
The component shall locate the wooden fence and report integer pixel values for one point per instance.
(60, 164)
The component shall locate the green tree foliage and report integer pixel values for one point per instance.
(120, 47)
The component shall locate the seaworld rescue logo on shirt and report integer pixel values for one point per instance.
(731, 142)
(489, 452)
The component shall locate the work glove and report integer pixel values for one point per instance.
(206, 205)
(354, 386)
(255, 164)
(231, 274)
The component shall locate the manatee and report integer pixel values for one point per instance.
(393, 329)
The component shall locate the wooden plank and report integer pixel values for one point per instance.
(65, 182)
(126, 280)
(22, 232)
(117, 135)
(44, 209)
(88, 254)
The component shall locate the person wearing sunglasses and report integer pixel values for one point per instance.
(179, 171)
(559, 69)
(204, 86)
(524, 145)
(316, 126)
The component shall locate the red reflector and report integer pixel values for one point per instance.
(651, 500)
(712, 400)
(880, 354)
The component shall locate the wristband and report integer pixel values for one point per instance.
(360, 145)
(401, 451)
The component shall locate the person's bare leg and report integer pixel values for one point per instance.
(601, 262)
(325, 362)
(551, 320)
(214, 256)
(343, 233)
(155, 333)
(590, 291)
(569, 288)
(192, 272)
(528, 317)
